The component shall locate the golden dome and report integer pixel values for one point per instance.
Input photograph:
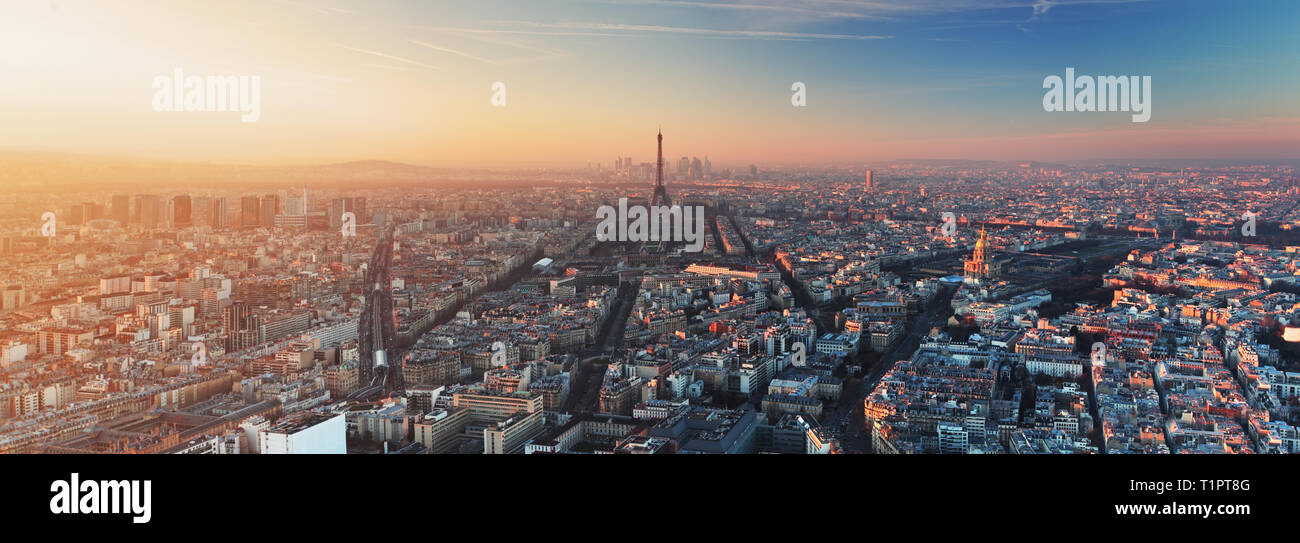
(983, 242)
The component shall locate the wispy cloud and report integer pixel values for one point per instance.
(868, 9)
(482, 32)
(393, 67)
(965, 84)
(813, 9)
(388, 56)
(619, 28)
(322, 10)
(451, 51)
(1040, 8)
(501, 38)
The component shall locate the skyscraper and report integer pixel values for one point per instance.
(182, 208)
(296, 205)
(338, 207)
(92, 211)
(201, 207)
(270, 208)
(151, 209)
(166, 212)
(121, 208)
(217, 216)
(250, 214)
(136, 209)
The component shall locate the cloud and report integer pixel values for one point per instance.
(451, 51)
(391, 67)
(322, 10)
(812, 9)
(1040, 8)
(493, 37)
(618, 28)
(388, 56)
(866, 9)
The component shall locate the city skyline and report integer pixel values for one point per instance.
(822, 310)
(975, 237)
(413, 82)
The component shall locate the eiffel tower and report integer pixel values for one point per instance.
(661, 194)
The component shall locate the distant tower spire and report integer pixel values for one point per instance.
(661, 194)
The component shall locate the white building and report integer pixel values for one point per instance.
(953, 438)
(1055, 365)
(836, 344)
(11, 352)
(305, 433)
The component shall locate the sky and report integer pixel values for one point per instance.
(590, 80)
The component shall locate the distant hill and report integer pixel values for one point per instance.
(22, 171)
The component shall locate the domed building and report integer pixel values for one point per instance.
(981, 266)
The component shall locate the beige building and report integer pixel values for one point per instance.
(490, 407)
(60, 340)
(437, 430)
(510, 435)
(341, 380)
